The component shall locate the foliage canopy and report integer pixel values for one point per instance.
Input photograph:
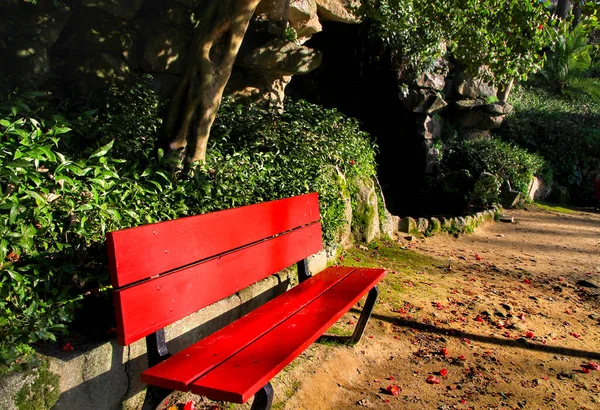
(506, 37)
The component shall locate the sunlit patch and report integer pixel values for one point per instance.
(26, 52)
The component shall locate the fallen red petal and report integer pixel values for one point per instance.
(462, 357)
(67, 347)
(444, 372)
(593, 366)
(189, 406)
(529, 335)
(393, 389)
(433, 380)
(444, 351)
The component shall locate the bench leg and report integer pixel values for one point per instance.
(263, 398)
(364, 316)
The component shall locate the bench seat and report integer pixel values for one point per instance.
(235, 362)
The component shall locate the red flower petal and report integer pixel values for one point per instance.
(527, 281)
(585, 369)
(67, 347)
(479, 319)
(529, 335)
(393, 389)
(593, 366)
(433, 380)
(444, 372)
(477, 257)
(462, 357)
(444, 351)
(189, 406)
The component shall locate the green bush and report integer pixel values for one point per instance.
(505, 161)
(66, 182)
(563, 128)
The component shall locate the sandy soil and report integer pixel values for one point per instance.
(503, 311)
(506, 318)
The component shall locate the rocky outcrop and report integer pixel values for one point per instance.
(303, 19)
(337, 10)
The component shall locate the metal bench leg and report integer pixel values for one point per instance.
(263, 398)
(156, 348)
(364, 316)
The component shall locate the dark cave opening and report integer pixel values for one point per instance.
(357, 77)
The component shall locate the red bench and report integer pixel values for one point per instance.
(164, 272)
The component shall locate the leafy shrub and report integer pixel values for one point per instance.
(65, 182)
(507, 162)
(563, 128)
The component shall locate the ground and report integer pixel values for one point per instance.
(505, 318)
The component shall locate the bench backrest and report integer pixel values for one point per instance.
(165, 271)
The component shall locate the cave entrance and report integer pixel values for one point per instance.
(356, 77)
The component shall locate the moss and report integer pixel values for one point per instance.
(554, 208)
(362, 221)
(42, 394)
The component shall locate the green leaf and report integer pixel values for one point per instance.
(100, 152)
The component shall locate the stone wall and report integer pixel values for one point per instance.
(450, 94)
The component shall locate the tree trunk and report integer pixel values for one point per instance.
(562, 9)
(210, 59)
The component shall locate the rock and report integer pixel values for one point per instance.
(410, 238)
(435, 81)
(271, 9)
(391, 224)
(435, 225)
(460, 223)
(280, 56)
(422, 225)
(41, 23)
(123, 9)
(499, 314)
(97, 31)
(303, 18)
(432, 159)
(473, 88)
(164, 49)
(337, 10)
(506, 306)
(423, 101)
(408, 225)
(430, 127)
(507, 219)
(365, 218)
(589, 283)
(499, 108)
(538, 190)
(169, 13)
(593, 316)
(28, 60)
(446, 224)
(468, 104)
(512, 199)
(516, 326)
(480, 120)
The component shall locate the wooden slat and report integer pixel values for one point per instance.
(152, 305)
(238, 378)
(142, 252)
(180, 370)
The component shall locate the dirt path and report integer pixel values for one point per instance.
(506, 318)
(495, 320)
